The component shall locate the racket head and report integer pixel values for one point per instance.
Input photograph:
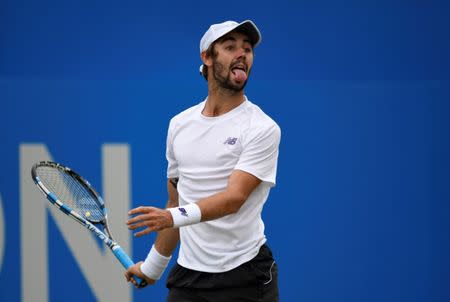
(72, 193)
(71, 189)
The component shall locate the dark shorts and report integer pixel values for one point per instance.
(255, 280)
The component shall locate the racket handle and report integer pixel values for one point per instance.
(127, 262)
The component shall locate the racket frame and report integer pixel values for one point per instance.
(107, 238)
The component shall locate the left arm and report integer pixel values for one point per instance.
(259, 158)
(240, 185)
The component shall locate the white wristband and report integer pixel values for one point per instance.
(155, 264)
(185, 215)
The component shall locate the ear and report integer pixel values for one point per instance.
(206, 59)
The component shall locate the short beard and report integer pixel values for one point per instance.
(225, 82)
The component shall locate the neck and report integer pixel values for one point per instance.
(221, 101)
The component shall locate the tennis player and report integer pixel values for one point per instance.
(222, 160)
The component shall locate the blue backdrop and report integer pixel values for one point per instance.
(360, 89)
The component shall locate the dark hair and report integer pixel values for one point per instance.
(210, 52)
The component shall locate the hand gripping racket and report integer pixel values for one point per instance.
(76, 198)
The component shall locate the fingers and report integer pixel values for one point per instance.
(134, 224)
(148, 211)
(148, 223)
(142, 284)
(139, 210)
(139, 221)
(148, 230)
(144, 232)
(150, 218)
(129, 275)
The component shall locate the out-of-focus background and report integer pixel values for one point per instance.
(360, 89)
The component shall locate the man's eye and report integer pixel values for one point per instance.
(229, 47)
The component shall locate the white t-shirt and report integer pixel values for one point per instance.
(203, 152)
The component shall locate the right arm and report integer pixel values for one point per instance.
(166, 240)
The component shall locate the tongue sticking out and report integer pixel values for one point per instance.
(239, 75)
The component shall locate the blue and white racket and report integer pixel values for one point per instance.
(76, 198)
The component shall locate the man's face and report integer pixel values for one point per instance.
(232, 61)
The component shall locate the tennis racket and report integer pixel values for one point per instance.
(76, 198)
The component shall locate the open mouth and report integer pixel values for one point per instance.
(239, 67)
(239, 72)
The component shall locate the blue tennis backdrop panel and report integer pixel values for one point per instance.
(360, 90)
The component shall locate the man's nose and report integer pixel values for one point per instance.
(240, 52)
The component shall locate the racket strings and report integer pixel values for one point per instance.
(71, 192)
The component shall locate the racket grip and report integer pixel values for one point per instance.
(127, 262)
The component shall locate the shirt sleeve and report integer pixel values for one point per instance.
(259, 156)
(172, 164)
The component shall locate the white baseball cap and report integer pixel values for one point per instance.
(216, 31)
(219, 30)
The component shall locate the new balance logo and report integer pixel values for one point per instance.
(230, 141)
(183, 212)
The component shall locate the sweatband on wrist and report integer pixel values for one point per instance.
(155, 264)
(185, 215)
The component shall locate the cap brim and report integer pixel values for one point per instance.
(251, 30)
